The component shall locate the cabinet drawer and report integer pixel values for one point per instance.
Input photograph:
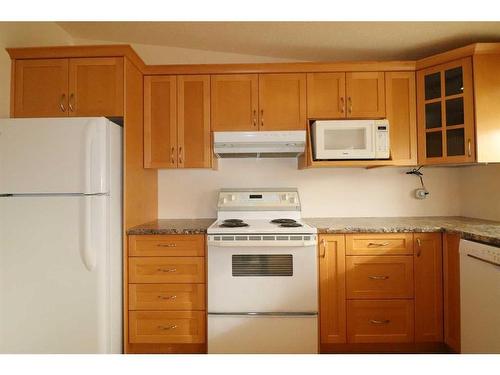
(166, 296)
(175, 327)
(380, 321)
(166, 270)
(379, 244)
(379, 277)
(167, 245)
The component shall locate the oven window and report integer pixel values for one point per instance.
(262, 265)
(345, 139)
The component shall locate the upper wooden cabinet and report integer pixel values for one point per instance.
(68, 87)
(235, 102)
(177, 121)
(446, 113)
(345, 95)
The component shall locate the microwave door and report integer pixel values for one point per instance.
(348, 141)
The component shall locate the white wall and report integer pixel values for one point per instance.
(24, 34)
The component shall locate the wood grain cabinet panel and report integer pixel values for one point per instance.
(380, 321)
(451, 289)
(401, 105)
(167, 245)
(332, 289)
(160, 121)
(96, 87)
(40, 88)
(326, 95)
(176, 327)
(234, 102)
(365, 94)
(166, 296)
(166, 270)
(379, 244)
(282, 101)
(379, 277)
(428, 263)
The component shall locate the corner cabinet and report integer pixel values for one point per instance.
(68, 87)
(446, 113)
(177, 122)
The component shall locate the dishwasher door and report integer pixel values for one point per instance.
(479, 297)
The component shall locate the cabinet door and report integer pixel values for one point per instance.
(282, 101)
(446, 113)
(160, 122)
(96, 86)
(234, 102)
(193, 121)
(40, 88)
(428, 275)
(451, 273)
(365, 94)
(325, 95)
(332, 289)
(401, 105)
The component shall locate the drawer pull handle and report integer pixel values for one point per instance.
(166, 328)
(385, 321)
(166, 245)
(376, 244)
(167, 269)
(167, 297)
(378, 277)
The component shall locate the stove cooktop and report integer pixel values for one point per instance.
(260, 226)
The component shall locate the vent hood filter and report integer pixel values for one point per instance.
(263, 144)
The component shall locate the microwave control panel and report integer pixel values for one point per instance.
(381, 139)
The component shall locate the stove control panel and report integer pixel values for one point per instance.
(258, 199)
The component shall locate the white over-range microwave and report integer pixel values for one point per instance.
(350, 139)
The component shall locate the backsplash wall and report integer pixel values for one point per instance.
(334, 192)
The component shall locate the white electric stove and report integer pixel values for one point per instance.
(262, 274)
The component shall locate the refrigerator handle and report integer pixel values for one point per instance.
(87, 253)
(90, 132)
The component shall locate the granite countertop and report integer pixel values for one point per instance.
(472, 229)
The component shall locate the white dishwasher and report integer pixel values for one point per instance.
(479, 297)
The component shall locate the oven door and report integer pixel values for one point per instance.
(349, 139)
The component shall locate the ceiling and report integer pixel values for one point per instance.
(309, 41)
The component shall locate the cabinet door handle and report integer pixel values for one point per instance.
(167, 269)
(419, 246)
(350, 104)
(342, 104)
(167, 245)
(324, 245)
(383, 321)
(166, 328)
(180, 155)
(254, 117)
(172, 156)
(262, 118)
(71, 99)
(378, 277)
(378, 244)
(469, 148)
(61, 103)
(167, 297)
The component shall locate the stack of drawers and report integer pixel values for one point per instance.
(166, 290)
(380, 288)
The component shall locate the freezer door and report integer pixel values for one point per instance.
(55, 292)
(54, 155)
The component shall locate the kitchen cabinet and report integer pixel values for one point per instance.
(445, 113)
(177, 122)
(365, 95)
(428, 263)
(332, 289)
(451, 290)
(68, 87)
(326, 95)
(282, 102)
(235, 101)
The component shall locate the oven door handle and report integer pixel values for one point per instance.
(250, 243)
(299, 313)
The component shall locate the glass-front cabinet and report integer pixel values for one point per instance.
(446, 113)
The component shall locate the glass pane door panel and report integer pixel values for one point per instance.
(346, 139)
(453, 81)
(432, 86)
(455, 142)
(433, 115)
(434, 144)
(455, 111)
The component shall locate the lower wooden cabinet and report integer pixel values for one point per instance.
(451, 290)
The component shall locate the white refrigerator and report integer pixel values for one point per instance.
(60, 236)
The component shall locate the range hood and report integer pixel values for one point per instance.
(260, 144)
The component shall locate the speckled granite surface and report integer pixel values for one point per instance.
(173, 226)
(471, 229)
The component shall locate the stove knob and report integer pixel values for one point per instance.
(232, 197)
(292, 200)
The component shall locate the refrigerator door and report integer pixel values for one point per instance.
(65, 155)
(55, 293)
